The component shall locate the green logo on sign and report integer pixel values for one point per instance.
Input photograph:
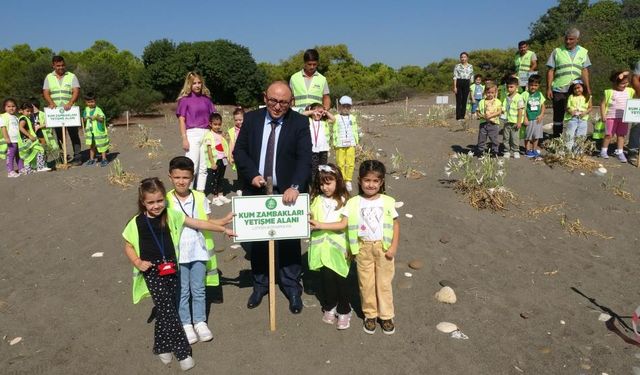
(272, 232)
(61, 111)
(271, 203)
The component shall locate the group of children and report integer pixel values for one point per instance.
(170, 246)
(521, 115)
(29, 146)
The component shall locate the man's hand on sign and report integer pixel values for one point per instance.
(258, 181)
(290, 196)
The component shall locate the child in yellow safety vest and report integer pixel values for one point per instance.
(95, 131)
(577, 114)
(9, 139)
(320, 122)
(238, 118)
(346, 136)
(198, 264)
(612, 110)
(328, 251)
(216, 149)
(152, 240)
(513, 115)
(29, 148)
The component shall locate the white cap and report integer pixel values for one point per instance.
(345, 100)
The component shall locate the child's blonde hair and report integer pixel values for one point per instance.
(188, 82)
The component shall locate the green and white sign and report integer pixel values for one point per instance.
(58, 117)
(632, 111)
(265, 217)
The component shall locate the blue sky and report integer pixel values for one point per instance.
(396, 33)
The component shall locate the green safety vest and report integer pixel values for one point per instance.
(304, 97)
(3, 142)
(353, 222)
(567, 69)
(512, 111)
(175, 221)
(482, 111)
(225, 145)
(327, 248)
(60, 94)
(232, 139)
(523, 63)
(354, 129)
(96, 131)
(211, 278)
(27, 148)
(49, 135)
(578, 102)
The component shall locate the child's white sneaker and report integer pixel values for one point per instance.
(329, 316)
(516, 155)
(44, 169)
(165, 358)
(349, 187)
(506, 155)
(239, 193)
(216, 202)
(204, 334)
(187, 363)
(344, 321)
(224, 199)
(13, 174)
(191, 334)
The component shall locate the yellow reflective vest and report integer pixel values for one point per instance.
(3, 142)
(341, 125)
(567, 69)
(96, 131)
(303, 96)
(61, 94)
(212, 277)
(210, 140)
(327, 248)
(353, 222)
(27, 148)
(510, 108)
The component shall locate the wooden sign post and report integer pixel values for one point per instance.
(272, 271)
(64, 147)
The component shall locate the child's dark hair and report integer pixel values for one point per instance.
(511, 81)
(215, 116)
(535, 78)
(327, 173)
(34, 102)
(26, 105)
(316, 105)
(149, 186)
(182, 163)
(618, 76)
(477, 76)
(7, 101)
(238, 111)
(584, 88)
(90, 96)
(372, 166)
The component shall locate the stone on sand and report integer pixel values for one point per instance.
(416, 264)
(446, 327)
(446, 295)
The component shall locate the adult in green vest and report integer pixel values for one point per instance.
(309, 86)
(62, 89)
(634, 132)
(566, 64)
(526, 63)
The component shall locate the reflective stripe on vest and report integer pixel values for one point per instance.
(568, 69)
(523, 63)
(93, 133)
(60, 95)
(303, 96)
(353, 206)
(212, 278)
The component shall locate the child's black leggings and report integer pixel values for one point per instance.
(215, 179)
(336, 291)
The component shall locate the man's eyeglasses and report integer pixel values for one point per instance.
(283, 103)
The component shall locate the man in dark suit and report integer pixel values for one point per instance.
(275, 142)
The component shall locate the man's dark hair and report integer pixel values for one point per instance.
(522, 43)
(311, 55)
(57, 58)
(182, 163)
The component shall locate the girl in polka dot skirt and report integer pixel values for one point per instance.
(151, 241)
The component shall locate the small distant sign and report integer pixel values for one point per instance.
(442, 100)
(58, 117)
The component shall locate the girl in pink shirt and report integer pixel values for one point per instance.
(612, 110)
